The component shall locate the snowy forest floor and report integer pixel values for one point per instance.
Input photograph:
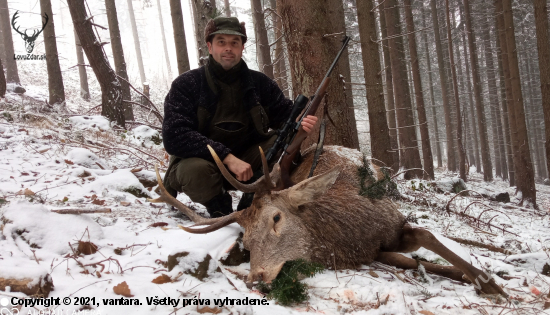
(52, 159)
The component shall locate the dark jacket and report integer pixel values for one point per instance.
(191, 94)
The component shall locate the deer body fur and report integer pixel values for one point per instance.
(324, 219)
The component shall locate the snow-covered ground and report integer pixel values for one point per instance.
(65, 160)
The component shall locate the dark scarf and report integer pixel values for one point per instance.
(225, 76)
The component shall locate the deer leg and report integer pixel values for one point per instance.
(414, 238)
(400, 261)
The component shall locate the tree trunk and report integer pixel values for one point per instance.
(394, 142)
(136, 42)
(379, 132)
(432, 98)
(2, 49)
(502, 142)
(227, 8)
(420, 107)
(179, 36)
(543, 48)
(451, 163)
(481, 123)
(508, 171)
(524, 167)
(461, 152)
(118, 56)
(311, 54)
(12, 75)
(55, 79)
(279, 62)
(468, 145)
(166, 57)
(111, 94)
(508, 84)
(533, 125)
(84, 89)
(471, 110)
(203, 11)
(262, 43)
(408, 147)
(529, 106)
(2, 81)
(492, 89)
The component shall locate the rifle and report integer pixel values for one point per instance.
(298, 134)
(291, 136)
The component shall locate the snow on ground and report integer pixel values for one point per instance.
(58, 160)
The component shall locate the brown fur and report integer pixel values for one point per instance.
(340, 229)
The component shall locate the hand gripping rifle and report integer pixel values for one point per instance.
(291, 135)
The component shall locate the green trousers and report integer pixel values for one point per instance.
(201, 180)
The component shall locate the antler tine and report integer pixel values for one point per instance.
(167, 198)
(250, 188)
(265, 166)
(15, 17)
(43, 26)
(226, 220)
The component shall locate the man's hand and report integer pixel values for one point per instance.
(241, 169)
(309, 123)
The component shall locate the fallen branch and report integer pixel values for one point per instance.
(447, 207)
(82, 211)
(481, 245)
(464, 215)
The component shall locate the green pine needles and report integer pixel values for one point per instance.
(286, 289)
(377, 188)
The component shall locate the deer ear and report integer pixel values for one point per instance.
(312, 188)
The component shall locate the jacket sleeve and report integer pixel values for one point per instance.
(180, 126)
(278, 106)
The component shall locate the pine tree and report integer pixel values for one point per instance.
(379, 132)
(55, 79)
(84, 88)
(262, 43)
(118, 56)
(525, 176)
(422, 120)
(2, 81)
(310, 53)
(111, 94)
(451, 163)
(166, 57)
(409, 155)
(12, 75)
(543, 46)
(481, 123)
(390, 100)
(462, 153)
(179, 36)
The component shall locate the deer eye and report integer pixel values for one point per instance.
(276, 218)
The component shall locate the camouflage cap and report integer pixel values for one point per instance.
(225, 25)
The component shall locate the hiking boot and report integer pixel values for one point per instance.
(220, 205)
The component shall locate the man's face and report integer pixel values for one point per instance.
(227, 50)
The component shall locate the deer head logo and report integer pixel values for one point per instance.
(29, 40)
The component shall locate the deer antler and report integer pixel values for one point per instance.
(34, 34)
(264, 183)
(15, 17)
(197, 219)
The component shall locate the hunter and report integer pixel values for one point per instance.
(227, 106)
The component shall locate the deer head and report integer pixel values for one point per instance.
(29, 40)
(274, 230)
